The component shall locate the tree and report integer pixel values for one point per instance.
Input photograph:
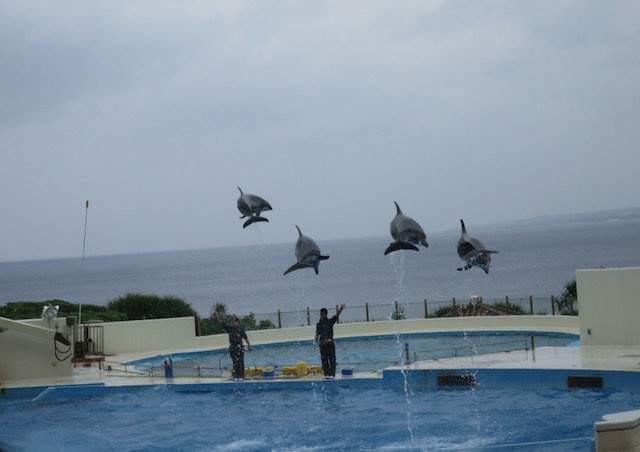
(212, 326)
(140, 306)
(568, 298)
(20, 310)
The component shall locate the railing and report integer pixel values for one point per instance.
(471, 350)
(396, 311)
(408, 357)
(89, 340)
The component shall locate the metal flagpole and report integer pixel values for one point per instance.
(84, 243)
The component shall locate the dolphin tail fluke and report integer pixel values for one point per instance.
(298, 266)
(395, 246)
(254, 220)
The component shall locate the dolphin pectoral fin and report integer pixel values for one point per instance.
(399, 245)
(471, 254)
(254, 220)
(323, 258)
(298, 266)
(460, 269)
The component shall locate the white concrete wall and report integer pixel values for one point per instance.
(148, 335)
(619, 432)
(29, 353)
(166, 335)
(609, 307)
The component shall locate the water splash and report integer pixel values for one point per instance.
(397, 261)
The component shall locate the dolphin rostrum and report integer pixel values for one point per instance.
(473, 252)
(252, 206)
(406, 232)
(307, 253)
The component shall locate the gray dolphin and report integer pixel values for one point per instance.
(252, 206)
(406, 232)
(473, 252)
(307, 254)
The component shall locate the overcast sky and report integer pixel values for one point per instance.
(155, 111)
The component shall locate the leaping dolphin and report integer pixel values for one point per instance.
(473, 252)
(406, 232)
(307, 254)
(252, 206)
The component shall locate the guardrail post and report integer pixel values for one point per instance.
(279, 319)
(454, 303)
(308, 316)
(337, 309)
(426, 310)
(531, 304)
(407, 361)
(395, 308)
(553, 305)
(366, 310)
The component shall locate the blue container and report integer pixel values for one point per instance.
(347, 372)
(168, 368)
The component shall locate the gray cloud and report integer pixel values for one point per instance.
(156, 111)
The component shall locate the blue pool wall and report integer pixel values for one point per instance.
(392, 379)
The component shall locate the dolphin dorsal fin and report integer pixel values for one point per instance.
(299, 231)
(398, 211)
(464, 229)
(240, 191)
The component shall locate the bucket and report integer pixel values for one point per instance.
(268, 372)
(347, 372)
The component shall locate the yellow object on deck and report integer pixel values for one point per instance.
(289, 370)
(301, 368)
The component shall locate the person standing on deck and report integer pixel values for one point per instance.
(324, 337)
(236, 348)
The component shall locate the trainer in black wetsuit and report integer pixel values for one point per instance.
(324, 337)
(236, 349)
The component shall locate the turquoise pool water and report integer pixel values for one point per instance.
(337, 415)
(325, 417)
(371, 353)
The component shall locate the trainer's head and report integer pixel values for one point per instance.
(323, 313)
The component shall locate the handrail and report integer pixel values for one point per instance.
(196, 371)
(477, 346)
(370, 312)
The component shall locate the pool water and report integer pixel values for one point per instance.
(366, 354)
(325, 417)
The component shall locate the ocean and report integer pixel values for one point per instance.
(534, 260)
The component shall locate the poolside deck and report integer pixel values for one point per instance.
(565, 359)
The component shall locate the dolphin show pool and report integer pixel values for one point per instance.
(362, 353)
(321, 416)
(393, 410)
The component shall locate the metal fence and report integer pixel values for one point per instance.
(89, 340)
(396, 311)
